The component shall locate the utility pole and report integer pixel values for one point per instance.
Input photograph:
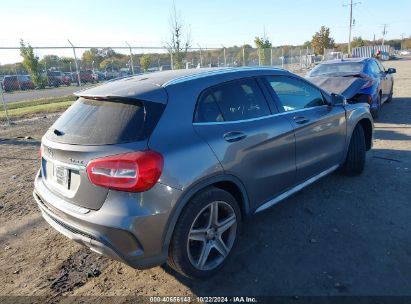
(350, 30)
(384, 32)
(75, 61)
(131, 58)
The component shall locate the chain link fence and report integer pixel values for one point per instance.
(65, 70)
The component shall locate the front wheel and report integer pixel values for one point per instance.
(389, 99)
(355, 161)
(205, 234)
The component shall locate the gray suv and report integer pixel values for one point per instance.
(166, 166)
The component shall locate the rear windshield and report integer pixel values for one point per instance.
(103, 122)
(338, 68)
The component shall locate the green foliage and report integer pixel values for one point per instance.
(93, 56)
(145, 62)
(358, 42)
(307, 44)
(112, 63)
(322, 40)
(31, 64)
(246, 54)
(264, 47)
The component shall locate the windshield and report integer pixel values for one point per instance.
(337, 68)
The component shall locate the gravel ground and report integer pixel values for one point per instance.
(340, 236)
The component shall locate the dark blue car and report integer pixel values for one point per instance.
(377, 86)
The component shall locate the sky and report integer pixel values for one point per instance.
(212, 23)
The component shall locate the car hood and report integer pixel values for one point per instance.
(346, 86)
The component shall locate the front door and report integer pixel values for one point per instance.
(320, 129)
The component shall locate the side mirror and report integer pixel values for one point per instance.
(391, 71)
(338, 100)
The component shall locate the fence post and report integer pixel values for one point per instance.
(301, 59)
(271, 56)
(5, 106)
(75, 61)
(243, 56)
(131, 58)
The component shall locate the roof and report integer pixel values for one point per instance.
(151, 87)
(361, 59)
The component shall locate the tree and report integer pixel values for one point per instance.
(246, 48)
(322, 40)
(50, 61)
(307, 44)
(31, 64)
(112, 63)
(358, 42)
(145, 62)
(176, 46)
(92, 56)
(263, 44)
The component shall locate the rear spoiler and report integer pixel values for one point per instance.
(126, 88)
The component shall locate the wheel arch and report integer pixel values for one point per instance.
(226, 182)
(366, 124)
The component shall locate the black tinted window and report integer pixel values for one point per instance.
(100, 122)
(295, 94)
(236, 100)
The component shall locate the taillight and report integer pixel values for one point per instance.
(134, 172)
(369, 99)
(369, 83)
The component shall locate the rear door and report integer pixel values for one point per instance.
(249, 139)
(388, 80)
(320, 129)
(92, 129)
(381, 75)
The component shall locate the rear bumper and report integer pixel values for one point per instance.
(127, 228)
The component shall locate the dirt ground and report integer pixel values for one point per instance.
(340, 236)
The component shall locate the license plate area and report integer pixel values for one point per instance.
(62, 176)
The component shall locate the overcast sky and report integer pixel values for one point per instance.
(213, 22)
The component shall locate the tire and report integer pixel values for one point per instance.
(207, 240)
(375, 113)
(389, 99)
(355, 161)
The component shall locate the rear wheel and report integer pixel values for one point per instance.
(376, 112)
(205, 234)
(355, 162)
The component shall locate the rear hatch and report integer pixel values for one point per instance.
(346, 86)
(93, 128)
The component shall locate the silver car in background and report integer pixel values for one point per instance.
(164, 167)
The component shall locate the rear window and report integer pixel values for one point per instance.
(338, 68)
(103, 122)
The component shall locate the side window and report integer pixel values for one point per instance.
(374, 67)
(380, 66)
(207, 109)
(295, 94)
(233, 101)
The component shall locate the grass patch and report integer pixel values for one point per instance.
(43, 105)
(40, 101)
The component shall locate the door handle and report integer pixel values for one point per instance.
(301, 119)
(234, 136)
